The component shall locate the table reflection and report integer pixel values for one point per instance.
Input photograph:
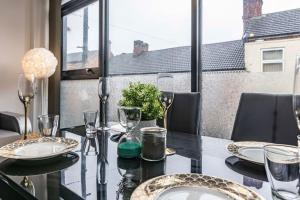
(104, 176)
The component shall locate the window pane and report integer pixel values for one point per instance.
(64, 1)
(81, 38)
(272, 67)
(272, 54)
(80, 50)
(148, 37)
(251, 33)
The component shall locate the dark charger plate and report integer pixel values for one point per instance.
(246, 168)
(35, 167)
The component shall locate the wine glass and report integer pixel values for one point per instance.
(103, 93)
(129, 145)
(165, 84)
(26, 89)
(296, 94)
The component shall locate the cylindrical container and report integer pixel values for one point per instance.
(153, 143)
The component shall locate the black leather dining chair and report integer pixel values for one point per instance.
(184, 113)
(286, 129)
(266, 118)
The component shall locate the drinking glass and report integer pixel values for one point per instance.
(282, 168)
(165, 84)
(48, 124)
(91, 146)
(26, 89)
(103, 93)
(90, 118)
(129, 145)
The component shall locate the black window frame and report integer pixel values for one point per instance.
(102, 70)
(86, 73)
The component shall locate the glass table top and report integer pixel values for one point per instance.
(106, 177)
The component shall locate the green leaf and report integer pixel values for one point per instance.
(145, 96)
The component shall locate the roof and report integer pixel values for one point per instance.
(223, 56)
(215, 57)
(165, 60)
(274, 24)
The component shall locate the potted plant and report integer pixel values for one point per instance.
(145, 96)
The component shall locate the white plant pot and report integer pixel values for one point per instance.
(143, 124)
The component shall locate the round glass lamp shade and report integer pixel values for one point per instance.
(40, 62)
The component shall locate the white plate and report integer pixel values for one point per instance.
(192, 187)
(38, 148)
(118, 128)
(194, 193)
(250, 151)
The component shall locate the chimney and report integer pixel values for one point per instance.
(252, 8)
(140, 47)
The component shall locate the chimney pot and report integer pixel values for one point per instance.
(140, 47)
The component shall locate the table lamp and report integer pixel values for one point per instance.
(42, 64)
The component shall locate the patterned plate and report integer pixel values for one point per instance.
(250, 151)
(195, 186)
(38, 148)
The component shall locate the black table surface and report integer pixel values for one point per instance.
(76, 176)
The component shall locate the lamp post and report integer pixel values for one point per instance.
(42, 64)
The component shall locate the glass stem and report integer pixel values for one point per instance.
(103, 114)
(165, 118)
(26, 115)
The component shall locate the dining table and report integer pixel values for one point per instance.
(106, 176)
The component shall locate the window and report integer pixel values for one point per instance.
(272, 60)
(147, 44)
(128, 45)
(142, 44)
(81, 43)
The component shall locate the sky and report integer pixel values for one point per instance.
(166, 23)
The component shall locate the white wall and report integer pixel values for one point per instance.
(221, 94)
(80, 95)
(13, 44)
(253, 53)
(23, 26)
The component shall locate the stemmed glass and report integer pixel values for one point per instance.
(103, 93)
(165, 84)
(26, 89)
(129, 145)
(296, 94)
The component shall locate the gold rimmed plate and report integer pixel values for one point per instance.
(192, 186)
(249, 150)
(38, 148)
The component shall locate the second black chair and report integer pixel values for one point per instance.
(184, 113)
(266, 118)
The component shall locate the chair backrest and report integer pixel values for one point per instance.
(184, 113)
(266, 118)
(14, 122)
(255, 118)
(286, 129)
